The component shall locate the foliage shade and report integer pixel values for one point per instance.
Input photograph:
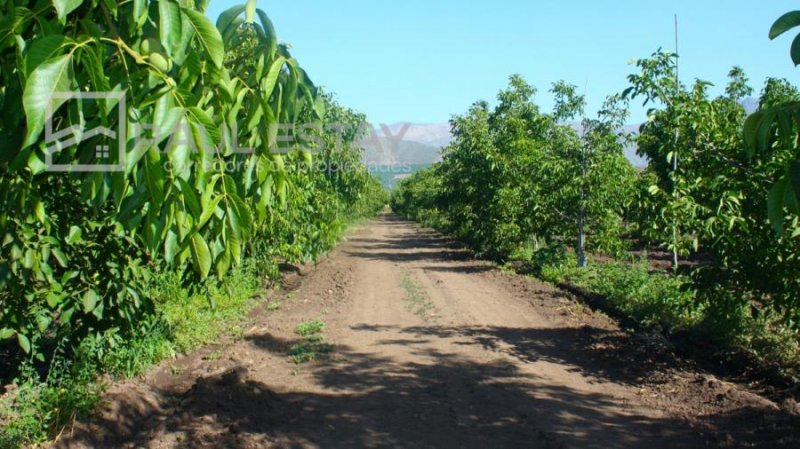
(78, 249)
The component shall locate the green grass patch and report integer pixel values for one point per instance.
(273, 306)
(310, 328)
(313, 345)
(184, 319)
(418, 301)
(309, 351)
(670, 303)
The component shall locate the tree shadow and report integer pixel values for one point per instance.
(369, 400)
(442, 400)
(593, 352)
(468, 269)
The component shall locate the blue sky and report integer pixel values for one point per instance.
(423, 61)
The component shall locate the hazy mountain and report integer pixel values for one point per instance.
(431, 134)
(750, 104)
(380, 150)
(420, 144)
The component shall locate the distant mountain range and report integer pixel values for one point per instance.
(420, 144)
(406, 144)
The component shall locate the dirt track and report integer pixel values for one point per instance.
(432, 349)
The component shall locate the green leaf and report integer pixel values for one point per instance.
(785, 23)
(751, 126)
(269, 31)
(794, 176)
(208, 212)
(38, 210)
(54, 300)
(228, 17)
(171, 246)
(268, 83)
(140, 12)
(165, 118)
(200, 117)
(208, 34)
(250, 14)
(201, 255)
(94, 66)
(42, 49)
(64, 7)
(6, 333)
(154, 176)
(61, 258)
(24, 343)
(74, 235)
(190, 198)
(89, 300)
(43, 322)
(169, 29)
(51, 77)
(775, 205)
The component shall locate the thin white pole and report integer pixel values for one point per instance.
(675, 153)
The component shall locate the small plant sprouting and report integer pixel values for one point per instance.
(310, 328)
(313, 346)
(418, 301)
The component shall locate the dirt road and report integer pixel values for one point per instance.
(430, 349)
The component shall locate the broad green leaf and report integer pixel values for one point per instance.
(24, 343)
(94, 66)
(785, 23)
(61, 258)
(140, 12)
(795, 50)
(51, 77)
(169, 29)
(201, 255)
(208, 212)
(179, 150)
(184, 47)
(154, 176)
(190, 197)
(751, 126)
(269, 31)
(208, 35)
(42, 49)
(201, 117)
(794, 176)
(228, 16)
(54, 300)
(43, 322)
(268, 83)
(171, 246)
(165, 118)
(223, 264)
(38, 210)
(89, 300)
(64, 7)
(775, 205)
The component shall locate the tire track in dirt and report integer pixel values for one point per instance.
(498, 361)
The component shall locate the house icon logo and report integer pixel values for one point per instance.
(102, 149)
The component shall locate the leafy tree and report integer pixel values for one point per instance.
(77, 248)
(776, 125)
(515, 178)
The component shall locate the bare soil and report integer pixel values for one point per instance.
(432, 349)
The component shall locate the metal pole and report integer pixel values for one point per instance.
(675, 154)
